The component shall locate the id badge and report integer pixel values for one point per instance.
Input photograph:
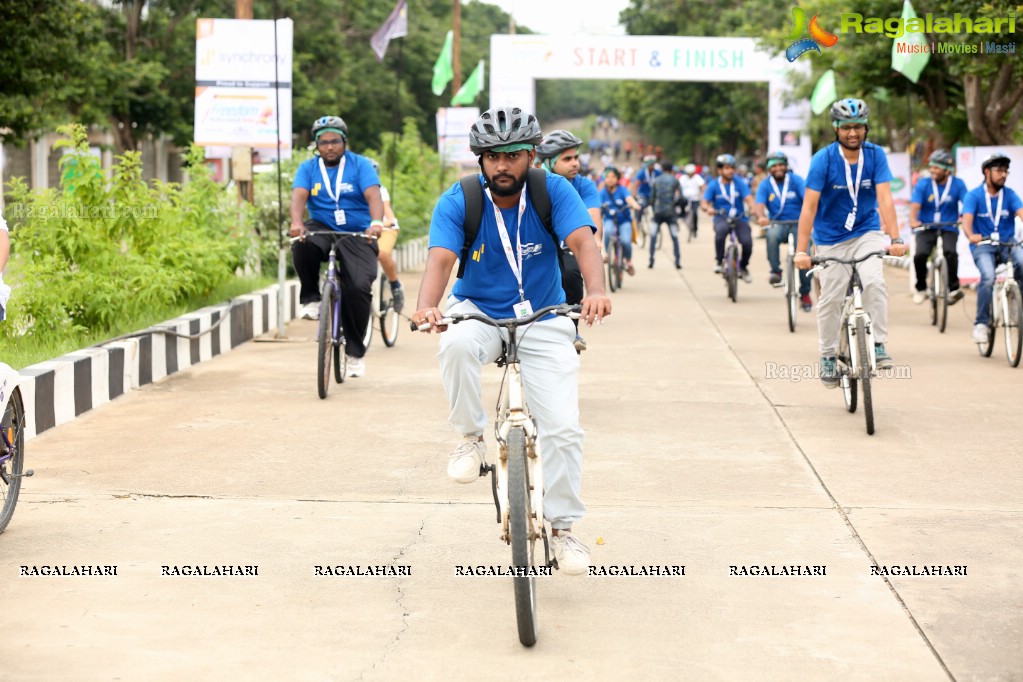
(524, 309)
(339, 216)
(850, 220)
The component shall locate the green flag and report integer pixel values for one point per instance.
(824, 93)
(473, 86)
(442, 71)
(908, 57)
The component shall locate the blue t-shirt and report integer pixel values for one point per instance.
(976, 205)
(716, 195)
(587, 190)
(359, 175)
(616, 201)
(923, 194)
(488, 280)
(827, 176)
(644, 179)
(793, 198)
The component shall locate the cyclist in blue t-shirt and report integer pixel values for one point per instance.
(728, 196)
(514, 270)
(341, 189)
(846, 217)
(780, 196)
(642, 181)
(559, 154)
(989, 211)
(936, 200)
(615, 202)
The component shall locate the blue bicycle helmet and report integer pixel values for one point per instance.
(849, 110)
(725, 160)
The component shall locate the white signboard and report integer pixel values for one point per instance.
(453, 125)
(235, 99)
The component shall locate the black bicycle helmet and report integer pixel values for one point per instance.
(334, 123)
(849, 110)
(503, 126)
(941, 159)
(556, 142)
(725, 160)
(774, 158)
(997, 159)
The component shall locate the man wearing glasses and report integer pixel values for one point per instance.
(341, 189)
(988, 213)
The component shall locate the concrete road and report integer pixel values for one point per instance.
(701, 452)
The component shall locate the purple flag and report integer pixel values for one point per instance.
(396, 26)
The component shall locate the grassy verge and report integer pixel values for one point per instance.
(20, 353)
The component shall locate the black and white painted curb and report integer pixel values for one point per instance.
(57, 391)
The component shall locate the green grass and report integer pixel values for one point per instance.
(23, 352)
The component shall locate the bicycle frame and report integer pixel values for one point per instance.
(851, 313)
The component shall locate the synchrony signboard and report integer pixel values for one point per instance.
(235, 99)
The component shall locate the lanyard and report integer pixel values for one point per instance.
(731, 192)
(854, 189)
(996, 216)
(783, 194)
(516, 265)
(939, 199)
(337, 181)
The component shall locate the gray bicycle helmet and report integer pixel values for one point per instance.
(849, 110)
(504, 127)
(997, 159)
(725, 160)
(556, 142)
(330, 123)
(942, 159)
(774, 158)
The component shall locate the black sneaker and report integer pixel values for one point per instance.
(955, 296)
(398, 296)
(775, 279)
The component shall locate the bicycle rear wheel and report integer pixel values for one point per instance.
(388, 315)
(324, 340)
(985, 349)
(1013, 315)
(791, 293)
(941, 295)
(732, 271)
(523, 541)
(847, 380)
(863, 360)
(13, 426)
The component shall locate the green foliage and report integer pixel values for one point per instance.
(92, 253)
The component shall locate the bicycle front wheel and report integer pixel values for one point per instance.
(611, 282)
(325, 340)
(847, 380)
(523, 540)
(863, 360)
(985, 349)
(941, 295)
(1013, 315)
(388, 315)
(619, 259)
(791, 295)
(732, 271)
(13, 425)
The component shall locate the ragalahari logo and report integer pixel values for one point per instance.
(818, 36)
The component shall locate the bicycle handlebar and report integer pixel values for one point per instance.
(571, 311)
(933, 226)
(784, 223)
(332, 233)
(821, 260)
(998, 242)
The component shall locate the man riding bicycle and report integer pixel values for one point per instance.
(848, 200)
(781, 196)
(385, 245)
(643, 179)
(559, 154)
(517, 274)
(728, 196)
(692, 185)
(936, 200)
(342, 192)
(615, 202)
(988, 211)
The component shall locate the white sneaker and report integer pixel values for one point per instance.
(310, 311)
(464, 462)
(980, 333)
(356, 367)
(572, 555)
(919, 297)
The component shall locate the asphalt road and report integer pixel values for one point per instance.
(702, 451)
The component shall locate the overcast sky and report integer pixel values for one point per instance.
(596, 17)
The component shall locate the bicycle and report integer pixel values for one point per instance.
(517, 478)
(330, 336)
(857, 362)
(730, 266)
(643, 225)
(789, 276)
(1006, 307)
(937, 285)
(693, 208)
(12, 443)
(615, 258)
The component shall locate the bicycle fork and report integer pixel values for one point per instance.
(854, 313)
(515, 416)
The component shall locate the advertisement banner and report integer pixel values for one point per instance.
(235, 98)
(453, 125)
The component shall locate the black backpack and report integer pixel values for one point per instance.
(536, 187)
